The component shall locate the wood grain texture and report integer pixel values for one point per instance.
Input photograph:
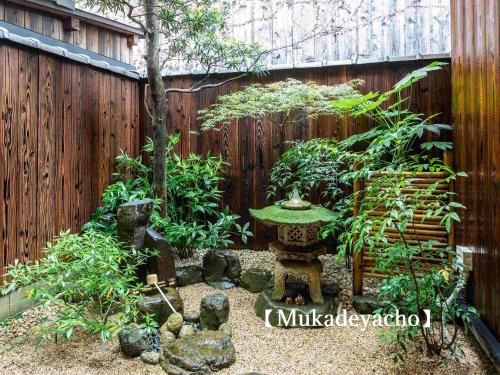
(253, 146)
(476, 116)
(53, 113)
(114, 44)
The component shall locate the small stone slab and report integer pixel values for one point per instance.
(189, 275)
(255, 280)
(133, 341)
(264, 302)
(214, 310)
(200, 353)
(222, 285)
(221, 265)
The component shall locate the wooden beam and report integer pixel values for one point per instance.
(71, 24)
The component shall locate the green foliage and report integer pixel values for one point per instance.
(395, 130)
(90, 279)
(194, 218)
(392, 207)
(285, 97)
(309, 165)
(391, 153)
(421, 277)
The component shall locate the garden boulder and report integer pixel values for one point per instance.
(151, 358)
(199, 353)
(133, 341)
(255, 280)
(214, 310)
(221, 268)
(132, 219)
(365, 304)
(189, 275)
(158, 307)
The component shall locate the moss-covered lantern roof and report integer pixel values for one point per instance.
(276, 215)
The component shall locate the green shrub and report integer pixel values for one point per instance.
(195, 218)
(307, 166)
(89, 278)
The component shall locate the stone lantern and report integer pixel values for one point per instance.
(298, 247)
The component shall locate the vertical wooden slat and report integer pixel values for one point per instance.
(475, 87)
(92, 37)
(4, 118)
(46, 139)
(28, 154)
(14, 13)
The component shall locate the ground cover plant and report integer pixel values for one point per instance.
(195, 217)
(89, 278)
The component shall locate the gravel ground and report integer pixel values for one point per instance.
(272, 351)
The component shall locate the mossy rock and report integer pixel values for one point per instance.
(255, 280)
(214, 310)
(199, 353)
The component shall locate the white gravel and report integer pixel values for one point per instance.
(272, 351)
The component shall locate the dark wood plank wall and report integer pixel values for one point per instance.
(96, 39)
(476, 115)
(252, 147)
(61, 126)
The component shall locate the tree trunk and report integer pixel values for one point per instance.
(159, 100)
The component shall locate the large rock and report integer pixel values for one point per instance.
(366, 304)
(133, 341)
(255, 280)
(132, 220)
(221, 266)
(163, 264)
(189, 275)
(200, 353)
(214, 310)
(158, 307)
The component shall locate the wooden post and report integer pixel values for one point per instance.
(357, 264)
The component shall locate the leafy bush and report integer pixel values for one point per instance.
(90, 279)
(394, 153)
(194, 217)
(421, 277)
(288, 97)
(309, 165)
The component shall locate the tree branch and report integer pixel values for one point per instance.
(133, 18)
(204, 87)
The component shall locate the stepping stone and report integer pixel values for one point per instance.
(200, 353)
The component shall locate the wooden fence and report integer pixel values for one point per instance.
(476, 115)
(61, 125)
(253, 146)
